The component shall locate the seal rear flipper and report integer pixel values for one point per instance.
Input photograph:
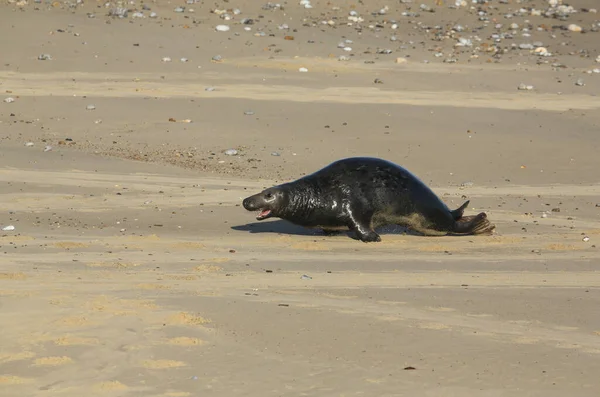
(473, 224)
(458, 213)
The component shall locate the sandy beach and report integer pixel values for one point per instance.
(129, 267)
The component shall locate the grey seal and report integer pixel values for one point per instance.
(362, 194)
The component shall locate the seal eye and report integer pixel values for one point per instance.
(269, 195)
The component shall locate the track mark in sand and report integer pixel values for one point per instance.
(565, 328)
(439, 248)
(184, 341)
(13, 380)
(119, 307)
(311, 246)
(52, 361)
(433, 325)
(75, 341)
(8, 357)
(148, 237)
(115, 85)
(391, 303)
(16, 238)
(116, 265)
(207, 268)
(70, 244)
(335, 296)
(524, 340)
(440, 309)
(73, 321)
(375, 381)
(110, 385)
(388, 318)
(479, 315)
(562, 247)
(188, 245)
(217, 260)
(162, 364)
(12, 276)
(184, 318)
(60, 300)
(181, 277)
(150, 286)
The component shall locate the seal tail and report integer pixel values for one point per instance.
(473, 224)
(458, 213)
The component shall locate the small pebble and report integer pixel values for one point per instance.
(8, 228)
(9, 99)
(209, 89)
(586, 239)
(275, 154)
(183, 59)
(90, 107)
(47, 148)
(179, 9)
(574, 28)
(580, 82)
(305, 277)
(119, 12)
(464, 42)
(303, 70)
(166, 59)
(222, 28)
(44, 57)
(231, 152)
(525, 87)
(29, 144)
(217, 58)
(249, 113)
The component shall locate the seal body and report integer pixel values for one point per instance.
(362, 194)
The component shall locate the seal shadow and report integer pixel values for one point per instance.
(281, 226)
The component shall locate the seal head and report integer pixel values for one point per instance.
(269, 203)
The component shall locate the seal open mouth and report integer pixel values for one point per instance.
(263, 214)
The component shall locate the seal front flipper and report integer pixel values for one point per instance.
(473, 224)
(365, 235)
(361, 223)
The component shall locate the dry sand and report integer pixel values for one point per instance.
(134, 271)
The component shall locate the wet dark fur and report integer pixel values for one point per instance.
(362, 194)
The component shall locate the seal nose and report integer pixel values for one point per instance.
(247, 204)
